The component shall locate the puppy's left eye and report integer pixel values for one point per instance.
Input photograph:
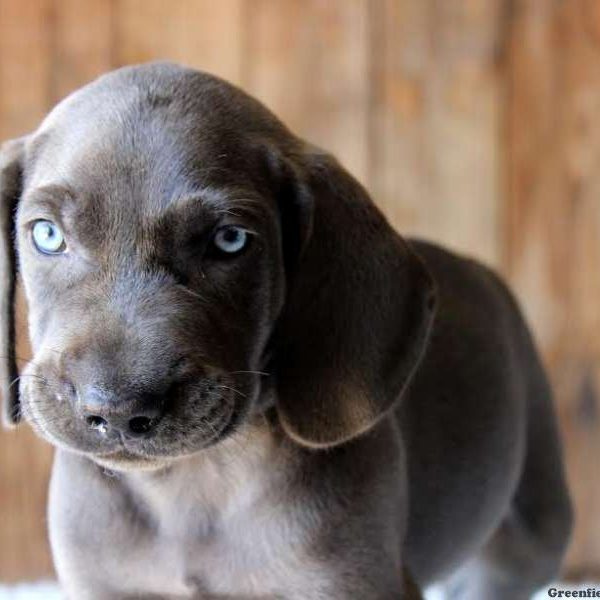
(231, 239)
(48, 238)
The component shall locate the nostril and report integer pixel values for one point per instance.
(97, 423)
(140, 425)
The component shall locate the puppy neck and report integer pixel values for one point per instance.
(217, 482)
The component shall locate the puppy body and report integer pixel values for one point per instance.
(436, 485)
(331, 413)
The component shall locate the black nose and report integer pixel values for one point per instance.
(133, 417)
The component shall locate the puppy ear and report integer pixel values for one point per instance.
(11, 154)
(358, 311)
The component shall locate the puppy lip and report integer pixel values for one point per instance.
(123, 460)
(133, 453)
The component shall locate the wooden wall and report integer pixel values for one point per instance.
(473, 122)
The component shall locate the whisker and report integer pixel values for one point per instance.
(193, 293)
(249, 372)
(17, 379)
(226, 387)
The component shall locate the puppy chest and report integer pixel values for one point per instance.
(240, 557)
(218, 538)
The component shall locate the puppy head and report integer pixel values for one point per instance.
(176, 243)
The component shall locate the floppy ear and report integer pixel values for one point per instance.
(11, 154)
(358, 311)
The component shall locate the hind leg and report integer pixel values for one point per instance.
(526, 550)
(524, 554)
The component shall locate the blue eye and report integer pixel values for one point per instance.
(231, 239)
(48, 238)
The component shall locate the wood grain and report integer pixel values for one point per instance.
(82, 44)
(308, 62)
(436, 113)
(203, 34)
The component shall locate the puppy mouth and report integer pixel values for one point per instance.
(165, 442)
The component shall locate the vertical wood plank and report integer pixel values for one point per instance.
(308, 61)
(24, 460)
(436, 137)
(82, 43)
(203, 34)
(553, 226)
(24, 65)
(400, 69)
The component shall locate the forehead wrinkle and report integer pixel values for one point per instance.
(54, 191)
(113, 149)
(51, 199)
(235, 201)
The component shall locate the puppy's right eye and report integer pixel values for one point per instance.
(48, 238)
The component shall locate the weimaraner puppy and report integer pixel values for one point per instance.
(256, 388)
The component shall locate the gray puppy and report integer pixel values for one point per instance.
(256, 388)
